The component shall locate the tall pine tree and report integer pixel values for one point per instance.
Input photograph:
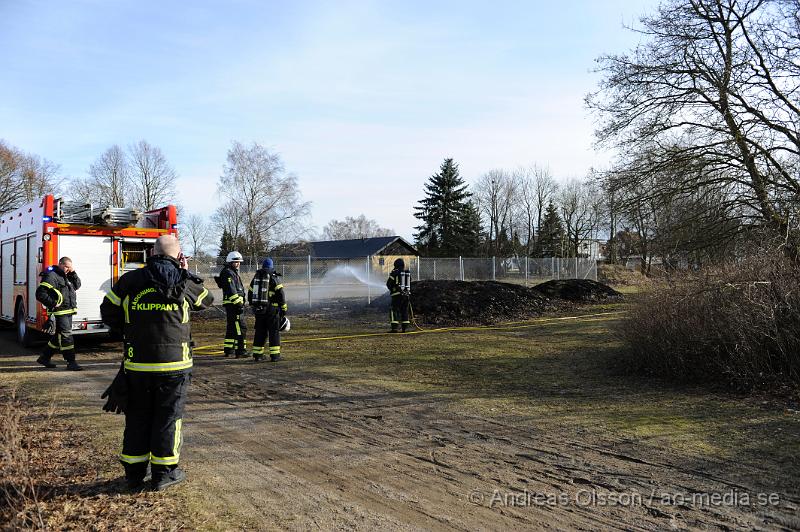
(551, 234)
(471, 235)
(447, 215)
(226, 244)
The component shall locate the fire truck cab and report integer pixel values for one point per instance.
(103, 244)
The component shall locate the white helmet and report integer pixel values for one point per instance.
(234, 256)
(285, 326)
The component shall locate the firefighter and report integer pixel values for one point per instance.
(399, 285)
(150, 308)
(56, 292)
(233, 303)
(269, 306)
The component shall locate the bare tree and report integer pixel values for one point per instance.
(24, 177)
(196, 234)
(268, 200)
(9, 177)
(110, 175)
(536, 189)
(350, 228)
(83, 190)
(716, 82)
(495, 195)
(580, 210)
(151, 176)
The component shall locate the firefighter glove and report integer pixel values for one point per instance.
(117, 394)
(49, 326)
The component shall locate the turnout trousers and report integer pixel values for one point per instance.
(267, 329)
(62, 341)
(153, 423)
(235, 330)
(398, 315)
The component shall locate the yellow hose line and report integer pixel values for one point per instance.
(503, 327)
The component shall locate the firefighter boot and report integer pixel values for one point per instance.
(72, 365)
(44, 360)
(167, 478)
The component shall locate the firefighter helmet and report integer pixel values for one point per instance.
(285, 325)
(234, 256)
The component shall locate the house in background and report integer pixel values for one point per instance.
(592, 248)
(383, 251)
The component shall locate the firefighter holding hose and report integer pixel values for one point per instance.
(399, 285)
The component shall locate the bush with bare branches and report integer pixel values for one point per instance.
(738, 324)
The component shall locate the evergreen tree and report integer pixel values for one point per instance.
(225, 244)
(471, 236)
(551, 234)
(448, 224)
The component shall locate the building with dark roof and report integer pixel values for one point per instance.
(362, 247)
(382, 251)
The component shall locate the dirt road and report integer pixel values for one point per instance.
(283, 446)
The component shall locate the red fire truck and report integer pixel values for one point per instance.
(102, 243)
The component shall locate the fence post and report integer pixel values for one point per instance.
(494, 268)
(434, 269)
(461, 266)
(526, 270)
(576, 267)
(309, 281)
(369, 288)
(418, 268)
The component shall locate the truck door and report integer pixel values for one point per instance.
(34, 259)
(7, 270)
(91, 258)
(133, 253)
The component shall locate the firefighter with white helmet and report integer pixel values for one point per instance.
(233, 302)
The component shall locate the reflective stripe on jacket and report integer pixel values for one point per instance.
(232, 287)
(56, 291)
(151, 307)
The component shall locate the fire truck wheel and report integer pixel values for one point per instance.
(25, 335)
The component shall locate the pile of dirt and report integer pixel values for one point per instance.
(577, 290)
(484, 302)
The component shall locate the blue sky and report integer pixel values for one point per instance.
(362, 100)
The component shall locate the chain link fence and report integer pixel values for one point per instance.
(311, 281)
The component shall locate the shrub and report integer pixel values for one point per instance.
(738, 324)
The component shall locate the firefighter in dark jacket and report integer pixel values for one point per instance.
(233, 303)
(150, 308)
(399, 285)
(57, 293)
(269, 306)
